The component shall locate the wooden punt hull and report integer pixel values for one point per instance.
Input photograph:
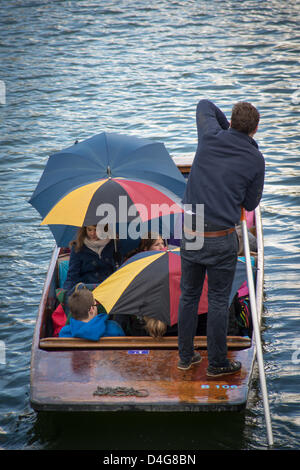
(114, 380)
(131, 374)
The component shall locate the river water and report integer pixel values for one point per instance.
(72, 69)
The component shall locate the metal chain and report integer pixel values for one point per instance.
(120, 392)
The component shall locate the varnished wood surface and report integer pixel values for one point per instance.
(233, 342)
(67, 380)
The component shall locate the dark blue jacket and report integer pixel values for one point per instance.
(228, 169)
(86, 266)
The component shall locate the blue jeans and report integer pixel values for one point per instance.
(217, 258)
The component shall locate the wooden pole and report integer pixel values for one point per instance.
(256, 329)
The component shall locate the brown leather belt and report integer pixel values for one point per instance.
(219, 233)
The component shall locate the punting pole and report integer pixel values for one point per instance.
(256, 328)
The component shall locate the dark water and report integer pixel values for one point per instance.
(76, 68)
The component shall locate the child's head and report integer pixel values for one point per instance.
(156, 328)
(82, 305)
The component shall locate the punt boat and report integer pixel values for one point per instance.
(134, 373)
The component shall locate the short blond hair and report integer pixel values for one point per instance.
(156, 328)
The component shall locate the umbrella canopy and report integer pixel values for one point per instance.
(96, 158)
(148, 284)
(88, 204)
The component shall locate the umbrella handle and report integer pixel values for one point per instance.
(256, 327)
(116, 253)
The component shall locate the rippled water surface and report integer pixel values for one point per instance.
(76, 68)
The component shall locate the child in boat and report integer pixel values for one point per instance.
(85, 322)
(157, 328)
(150, 241)
(92, 259)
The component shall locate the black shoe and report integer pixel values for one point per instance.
(233, 367)
(187, 365)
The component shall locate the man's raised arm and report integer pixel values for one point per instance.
(210, 118)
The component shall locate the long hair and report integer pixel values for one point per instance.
(81, 235)
(147, 241)
(78, 242)
(145, 244)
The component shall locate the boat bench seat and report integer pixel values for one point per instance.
(135, 342)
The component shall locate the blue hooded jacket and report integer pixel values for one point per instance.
(93, 330)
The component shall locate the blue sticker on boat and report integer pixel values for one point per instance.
(138, 351)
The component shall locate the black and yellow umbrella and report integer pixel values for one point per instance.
(87, 204)
(148, 284)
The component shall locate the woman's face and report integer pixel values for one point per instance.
(91, 232)
(157, 245)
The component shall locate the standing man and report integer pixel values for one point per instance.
(227, 173)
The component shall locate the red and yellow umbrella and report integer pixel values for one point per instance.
(80, 206)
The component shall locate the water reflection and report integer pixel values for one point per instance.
(146, 430)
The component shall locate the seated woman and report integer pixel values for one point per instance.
(149, 242)
(91, 260)
(152, 242)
